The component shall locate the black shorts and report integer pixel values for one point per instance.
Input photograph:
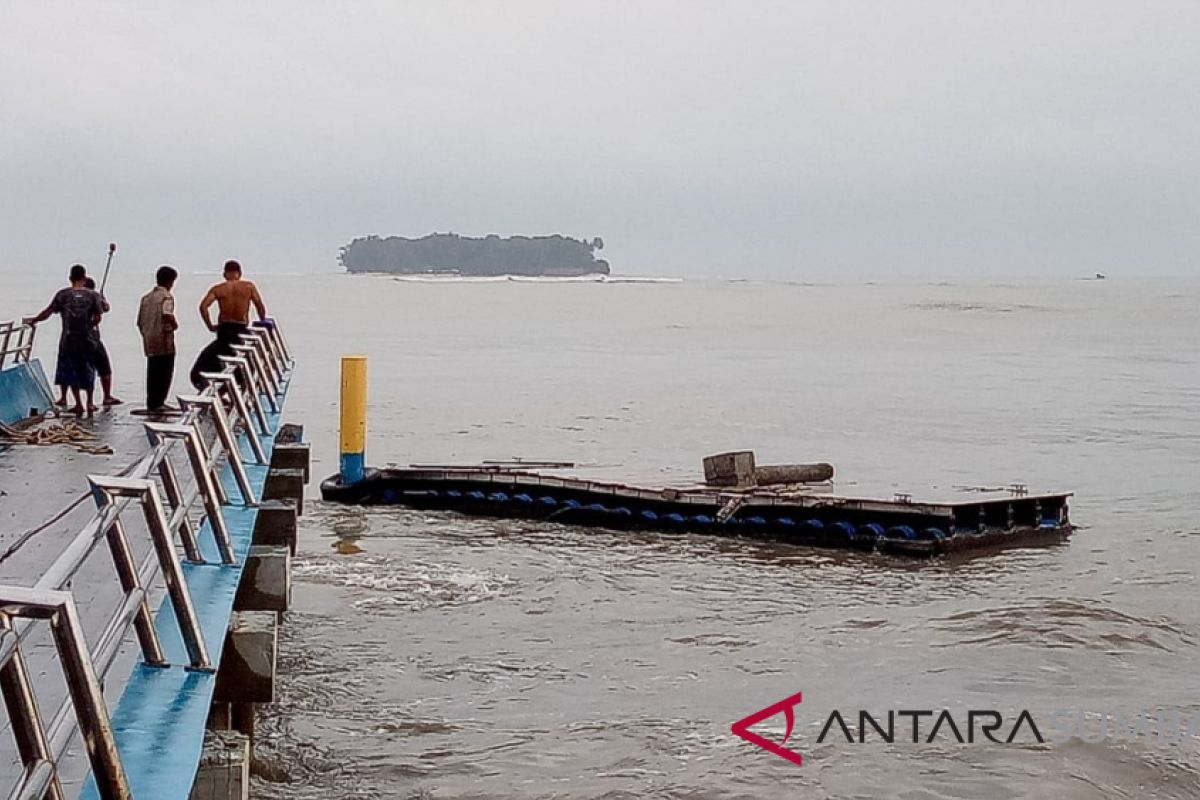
(99, 359)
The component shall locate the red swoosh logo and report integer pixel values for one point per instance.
(742, 728)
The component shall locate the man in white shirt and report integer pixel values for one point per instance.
(157, 323)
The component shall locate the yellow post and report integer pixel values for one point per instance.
(354, 418)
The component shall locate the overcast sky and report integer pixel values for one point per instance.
(791, 139)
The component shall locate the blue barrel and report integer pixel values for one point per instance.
(787, 522)
(673, 517)
(872, 530)
(844, 528)
(522, 498)
(453, 493)
(546, 500)
(475, 495)
(572, 503)
(814, 525)
(702, 519)
(622, 511)
(498, 497)
(936, 534)
(649, 515)
(901, 532)
(756, 520)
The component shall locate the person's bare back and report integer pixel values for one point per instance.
(233, 297)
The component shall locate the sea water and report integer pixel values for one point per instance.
(432, 655)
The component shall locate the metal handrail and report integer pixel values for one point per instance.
(42, 747)
(19, 348)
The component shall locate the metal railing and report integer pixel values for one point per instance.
(208, 436)
(16, 342)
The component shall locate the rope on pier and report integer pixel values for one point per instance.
(70, 433)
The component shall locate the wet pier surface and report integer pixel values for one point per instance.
(38, 481)
(36, 484)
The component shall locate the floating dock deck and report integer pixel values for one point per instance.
(180, 509)
(807, 517)
(739, 498)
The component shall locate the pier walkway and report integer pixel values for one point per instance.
(134, 559)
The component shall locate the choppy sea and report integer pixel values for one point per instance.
(435, 656)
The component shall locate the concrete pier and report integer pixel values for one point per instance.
(247, 671)
(276, 524)
(286, 484)
(246, 675)
(267, 580)
(224, 771)
(292, 455)
(184, 721)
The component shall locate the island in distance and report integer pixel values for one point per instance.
(451, 254)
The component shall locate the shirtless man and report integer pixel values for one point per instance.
(233, 297)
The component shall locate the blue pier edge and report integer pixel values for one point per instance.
(160, 719)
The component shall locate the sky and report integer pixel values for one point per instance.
(796, 140)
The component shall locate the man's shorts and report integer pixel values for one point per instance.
(99, 359)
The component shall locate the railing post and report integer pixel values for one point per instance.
(127, 573)
(6, 329)
(254, 377)
(83, 685)
(241, 365)
(258, 386)
(270, 356)
(270, 367)
(23, 713)
(146, 493)
(266, 329)
(228, 382)
(228, 440)
(88, 698)
(204, 480)
(25, 342)
(277, 332)
(210, 461)
(266, 374)
(170, 482)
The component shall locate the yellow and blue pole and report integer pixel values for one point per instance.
(354, 418)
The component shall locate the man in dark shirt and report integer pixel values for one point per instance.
(79, 308)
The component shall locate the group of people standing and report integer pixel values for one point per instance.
(82, 356)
